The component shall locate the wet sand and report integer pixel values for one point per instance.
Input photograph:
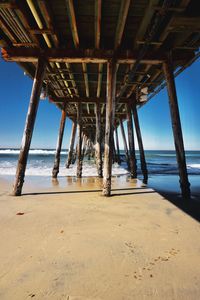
(66, 241)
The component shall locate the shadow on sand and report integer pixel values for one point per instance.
(190, 207)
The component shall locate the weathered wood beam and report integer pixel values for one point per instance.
(8, 5)
(98, 151)
(85, 75)
(93, 116)
(100, 76)
(74, 29)
(117, 146)
(98, 4)
(90, 100)
(140, 144)
(131, 142)
(55, 170)
(125, 143)
(176, 126)
(22, 15)
(110, 115)
(123, 13)
(97, 23)
(79, 140)
(72, 20)
(29, 126)
(7, 31)
(89, 55)
(149, 12)
(114, 154)
(48, 16)
(71, 145)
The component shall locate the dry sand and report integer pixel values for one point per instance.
(77, 246)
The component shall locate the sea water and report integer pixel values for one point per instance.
(162, 167)
(40, 163)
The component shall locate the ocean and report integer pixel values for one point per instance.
(161, 164)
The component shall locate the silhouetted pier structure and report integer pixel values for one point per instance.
(99, 61)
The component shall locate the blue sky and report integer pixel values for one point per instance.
(154, 116)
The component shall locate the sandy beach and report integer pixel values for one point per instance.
(66, 241)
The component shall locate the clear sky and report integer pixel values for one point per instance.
(154, 116)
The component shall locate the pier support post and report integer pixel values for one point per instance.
(140, 144)
(59, 145)
(79, 140)
(176, 127)
(114, 159)
(71, 145)
(133, 162)
(117, 144)
(125, 143)
(98, 151)
(110, 114)
(29, 126)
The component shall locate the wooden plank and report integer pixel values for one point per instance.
(123, 13)
(97, 23)
(48, 16)
(55, 170)
(71, 145)
(110, 115)
(29, 126)
(176, 126)
(7, 31)
(149, 12)
(72, 19)
(131, 142)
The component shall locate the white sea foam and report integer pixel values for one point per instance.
(195, 166)
(88, 170)
(31, 152)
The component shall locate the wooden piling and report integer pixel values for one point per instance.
(98, 151)
(29, 126)
(114, 158)
(110, 113)
(176, 126)
(79, 140)
(131, 142)
(125, 143)
(84, 145)
(71, 145)
(140, 144)
(55, 170)
(117, 146)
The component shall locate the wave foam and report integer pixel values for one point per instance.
(31, 152)
(88, 170)
(195, 166)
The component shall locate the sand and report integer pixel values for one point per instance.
(58, 244)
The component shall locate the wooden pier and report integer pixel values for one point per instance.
(94, 59)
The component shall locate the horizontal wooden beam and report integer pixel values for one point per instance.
(86, 100)
(8, 5)
(87, 55)
(42, 31)
(120, 115)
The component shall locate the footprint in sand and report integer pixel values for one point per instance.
(159, 259)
